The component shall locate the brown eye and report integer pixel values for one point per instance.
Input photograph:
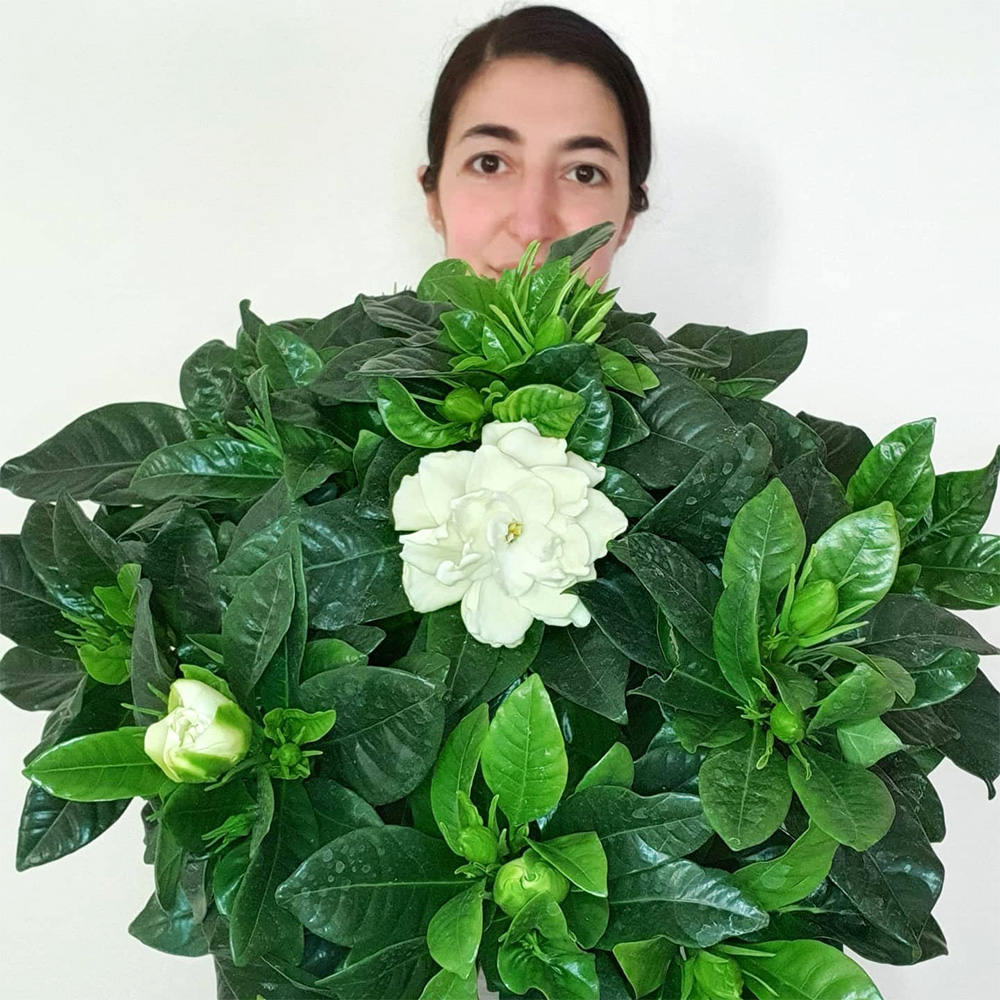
(589, 171)
(491, 157)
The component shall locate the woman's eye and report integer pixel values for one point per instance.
(589, 170)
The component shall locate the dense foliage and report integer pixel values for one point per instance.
(706, 791)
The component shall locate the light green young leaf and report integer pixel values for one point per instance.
(524, 756)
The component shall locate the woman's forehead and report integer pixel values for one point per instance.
(539, 100)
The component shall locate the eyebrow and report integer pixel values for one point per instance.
(507, 134)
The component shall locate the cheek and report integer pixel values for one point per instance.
(600, 264)
(470, 221)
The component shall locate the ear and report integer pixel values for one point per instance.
(433, 203)
(629, 220)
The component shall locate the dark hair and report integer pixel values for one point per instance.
(565, 37)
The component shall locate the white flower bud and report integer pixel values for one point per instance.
(203, 734)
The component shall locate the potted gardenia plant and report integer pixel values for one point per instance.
(483, 629)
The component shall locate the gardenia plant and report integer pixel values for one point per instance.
(483, 628)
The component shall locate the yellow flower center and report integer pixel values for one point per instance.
(514, 530)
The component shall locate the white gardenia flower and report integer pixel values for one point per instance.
(202, 735)
(504, 529)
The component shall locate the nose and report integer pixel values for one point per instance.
(534, 214)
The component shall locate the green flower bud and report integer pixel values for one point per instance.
(553, 331)
(462, 405)
(787, 726)
(203, 734)
(479, 844)
(520, 880)
(813, 609)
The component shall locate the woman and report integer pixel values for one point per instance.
(539, 128)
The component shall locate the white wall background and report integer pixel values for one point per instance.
(824, 164)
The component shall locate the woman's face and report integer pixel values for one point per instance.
(506, 177)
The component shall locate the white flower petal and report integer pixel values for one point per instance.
(443, 476)
(555, 608)
(531, 449)
(409, 510)
(569, 486)
(493, 617)
(602, 521)
(595, 473)
(426, 593)
(496, 430)
(493, 470)
(535, 500)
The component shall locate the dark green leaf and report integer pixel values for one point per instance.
(845, 445)
(692, 906)
(51, 828)
(352, 566)
(678, 581)
(258, 925)
(388, 731)
(586, 667)
(699, 511)
(103, 444)
(684, 422)
(35, 682)
(373, 884)
(960, 572)
(223, 467)
(256, 621)
(636, 831)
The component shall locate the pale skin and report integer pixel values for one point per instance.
(497, 193)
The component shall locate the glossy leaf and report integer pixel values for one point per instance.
(960, 572)
(388, 731)
(847, 802)
(699, 511)
(550, 960)
(858, 555)
(736, 630)
(614, 768)
(961, 502)
(636, 831)
(256, 621)
(551, 409)
(811, 969)
(454, 771)
(766, 540)
(790, 876)
(34, 682)
(98, 767)
(745, 804)
(222, 467)
(258, 925)
(580, 857)
(616, 600)
(583, 665)
(678, 582)
(51, 828)
(106, 444)
(867, 742)
(692, 906)
(455, 930)
(898, 470)
(863, 694)
(524, 757)
(376, 883)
